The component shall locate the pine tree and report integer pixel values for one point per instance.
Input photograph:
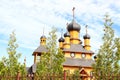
(51, 62)
(107, 62)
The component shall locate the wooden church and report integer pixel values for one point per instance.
(77, 56)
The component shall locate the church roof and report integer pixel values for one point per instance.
(28, 69)
(73, 26)
(67, 34)
(40, 49)
(31, 69)
(77, 48)
(78, 62)
(86, 36)
(61, 39)
(43, 36)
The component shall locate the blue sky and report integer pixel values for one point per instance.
(28, 17)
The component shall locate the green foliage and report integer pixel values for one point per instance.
(51, 62)
(42, 66)
(76, 75)
(108, 57)
(10, 66)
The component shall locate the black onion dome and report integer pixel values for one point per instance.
(66, 34)
(95, 57)
(61, 39)
(73, 26)
(43, 36)
(86, 36)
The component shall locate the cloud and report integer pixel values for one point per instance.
(28, 17)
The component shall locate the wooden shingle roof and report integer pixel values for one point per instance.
(78, 62)
(41, 49)
(77, 48)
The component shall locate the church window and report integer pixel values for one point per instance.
(38, 59)
(72, 54)
(83, 55)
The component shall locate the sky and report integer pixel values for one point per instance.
(28, 18)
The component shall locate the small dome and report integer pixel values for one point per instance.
(43, 36)
(95, 57)
(86, 36)
(61, 39)
(66, 34)
(73, 26)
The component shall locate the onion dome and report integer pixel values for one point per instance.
(61, 39)
(95, 57)
(66, 34)
(43, 36)
(86, 36)
(73, 26)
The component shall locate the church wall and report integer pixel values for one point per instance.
(88, 70)
(88, 56)
(70, 69)
(74, 34)
(87, 42)
(78, 55)
(61, 44)
(67, 54)
(74, 37)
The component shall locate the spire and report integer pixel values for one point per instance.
(86, 29)
(43, 30)
(86, 36)
(61, 32)
(66, 24)
(43, 36)
(87, 40)
(43, 39)
(73, 12)
(73, 25)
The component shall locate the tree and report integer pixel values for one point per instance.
(76, 75)
(51, 62)
(11, 65)
(108, 57)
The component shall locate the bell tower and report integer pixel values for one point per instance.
(41, 49)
